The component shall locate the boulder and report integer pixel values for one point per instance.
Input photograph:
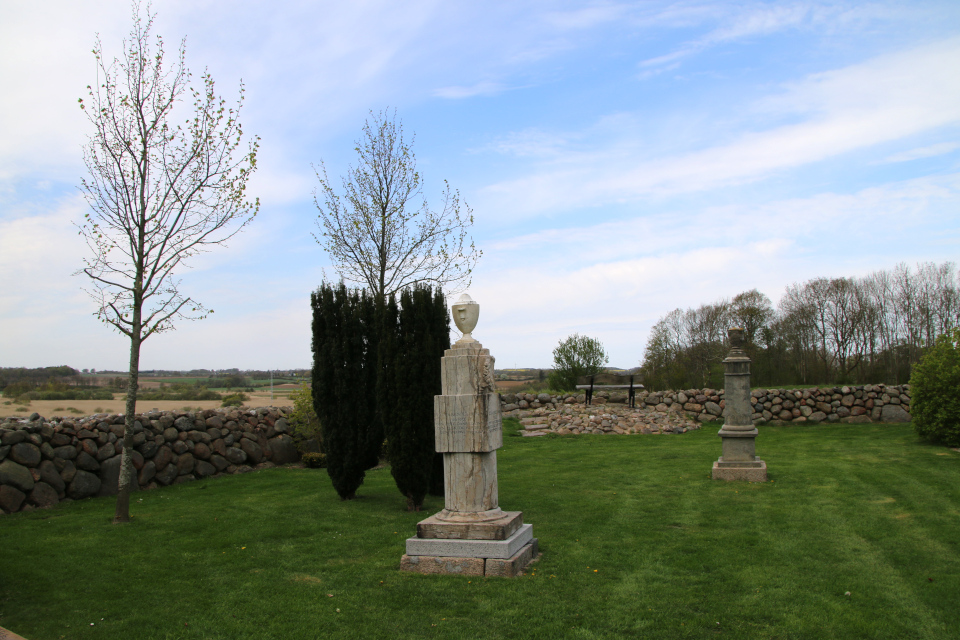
(43, 495)
(50, 475)
(86, 462)
(236, 455)
(283, 450)
(110, 477)
(167, 475)
(25, 453)
(67, 452)
(281, 426)
(712, 408)
(204, 469)
(106, 452)
(16, 475)
(84, 485)
(163, 458)
(11, 498)
(253, 451)
(219, 462)
(893, 413)
(185, 464)
(147, 473)
(201, 451)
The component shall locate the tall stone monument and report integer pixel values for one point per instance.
(471, 535)
(739, 460)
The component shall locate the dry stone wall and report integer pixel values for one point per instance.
(43, 462)
(679, 411)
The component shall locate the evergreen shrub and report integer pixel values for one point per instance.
(934, 383)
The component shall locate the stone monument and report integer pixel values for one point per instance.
(739, 460)
(471, 535)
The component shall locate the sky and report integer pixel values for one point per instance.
(621, 159)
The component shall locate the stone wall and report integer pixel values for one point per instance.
(43, 462)
(856, 404)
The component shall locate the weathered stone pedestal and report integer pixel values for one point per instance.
(471, 535)
(739, 460)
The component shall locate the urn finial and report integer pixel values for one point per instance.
(466, 313)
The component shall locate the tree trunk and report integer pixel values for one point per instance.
(122, 513)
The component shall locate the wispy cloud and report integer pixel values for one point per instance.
(923, 152)
(888, 98)
(478, 89)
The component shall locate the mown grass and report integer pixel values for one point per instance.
(637, 542)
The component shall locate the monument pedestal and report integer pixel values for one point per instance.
(738, 460)
(472, 536)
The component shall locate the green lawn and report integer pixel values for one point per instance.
(637, 542)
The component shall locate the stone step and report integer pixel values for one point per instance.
(533, 434)
(536, 420)
(536, 427)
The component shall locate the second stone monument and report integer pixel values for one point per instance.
(471, 535)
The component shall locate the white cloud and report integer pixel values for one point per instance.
(923, 152)
(885, 99)
(614, 280)
(478, 89)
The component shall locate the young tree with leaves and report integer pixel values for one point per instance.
(159, 192)
(379, 231)
(574, 357)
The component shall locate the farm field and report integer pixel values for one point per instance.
(856, 536)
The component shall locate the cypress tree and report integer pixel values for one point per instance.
(416, 370)
(338, 379)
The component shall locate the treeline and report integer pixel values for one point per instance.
(16, 381)
(825, 331)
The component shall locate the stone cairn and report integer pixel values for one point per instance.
(739, 460)
(471, 535)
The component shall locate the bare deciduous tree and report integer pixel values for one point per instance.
(380, 232)
(159, 193)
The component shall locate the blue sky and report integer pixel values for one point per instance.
(621, 159)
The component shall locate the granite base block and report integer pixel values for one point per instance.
(514, 566)
(439, 547)
(499, 529)
(442, 565)
(747, 472)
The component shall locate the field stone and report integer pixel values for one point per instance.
(187, 478)
(50, 475)
(283, 450)
(167, 475)
(26, 454)
(201, 451)
(148, 449)
(43, 495)
(106, 452)
(87, 462)
(4, 451)
(147, 473)
(894, 413)
(60, 439)
(110, 476)
(219, 462)
(253, 450)
(84, 485)
(67, 452)
(16, 475)
(11, 498)
(281, 425)
(163, 458)
(204, 469)
(13, 437)
(185, 464)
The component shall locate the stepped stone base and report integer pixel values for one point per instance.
(755, 471)
(496, 529)
(493, 567)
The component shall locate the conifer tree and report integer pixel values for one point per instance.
(339, 377)
(421, 340)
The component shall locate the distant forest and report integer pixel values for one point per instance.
(825, 331)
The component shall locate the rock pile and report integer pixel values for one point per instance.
(43, 462)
